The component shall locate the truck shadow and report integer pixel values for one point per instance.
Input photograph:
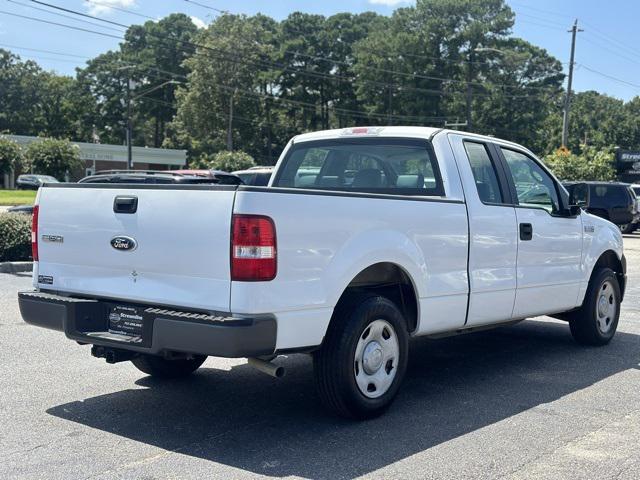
(247, 420)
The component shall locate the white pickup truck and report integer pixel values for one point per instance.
(363, 238)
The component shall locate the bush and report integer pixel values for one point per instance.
(15, 237)
(590, 164)
(53, 157)
(10, 155)
(225, 161)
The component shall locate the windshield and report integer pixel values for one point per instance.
(372, 165)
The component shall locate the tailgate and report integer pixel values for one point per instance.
(173, 250)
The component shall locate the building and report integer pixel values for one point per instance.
(98, 156)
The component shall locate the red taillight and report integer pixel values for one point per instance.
(34, 233)
(253, 248)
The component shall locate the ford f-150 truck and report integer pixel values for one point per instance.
(363, 238)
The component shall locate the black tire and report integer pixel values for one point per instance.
(162, 368)
(334, 363)
(584, 322)
(627, 229)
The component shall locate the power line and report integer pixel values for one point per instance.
(63, 16)
(306, 72)
(335, 62)
(6, 45)
(75, 12)
(124, 10)
(60, 24)
(611, 77)
(208, 7)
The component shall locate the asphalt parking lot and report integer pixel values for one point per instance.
(517, 402)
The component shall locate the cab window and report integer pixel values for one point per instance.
(534, 186)
(484, 173)
(392, 166)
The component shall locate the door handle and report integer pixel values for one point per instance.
(526, 231)
(125, 204)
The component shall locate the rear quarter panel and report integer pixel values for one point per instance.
(324, 241)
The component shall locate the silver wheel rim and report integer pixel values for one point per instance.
(376, 359)
(606, 307)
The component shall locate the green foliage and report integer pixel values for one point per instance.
(225, 160)
(590, 164)
(251, 82)
(54, 157)
(15, 237)
(10, 155)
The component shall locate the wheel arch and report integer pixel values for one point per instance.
(391, 280)
(610, 259)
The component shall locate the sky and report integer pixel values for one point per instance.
(607, 51)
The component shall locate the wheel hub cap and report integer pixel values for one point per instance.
(376, 358)
(606, 307)
(372, 357)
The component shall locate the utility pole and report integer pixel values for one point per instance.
(469, 94)
(567, 99)
(230, 125)
(390, 94)
(129, 127)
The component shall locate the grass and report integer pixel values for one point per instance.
(17, 197)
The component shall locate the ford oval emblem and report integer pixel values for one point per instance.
(124, 243)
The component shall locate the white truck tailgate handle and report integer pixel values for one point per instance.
(125, 204)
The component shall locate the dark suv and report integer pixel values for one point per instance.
(612, 201)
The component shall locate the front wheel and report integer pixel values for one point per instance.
(162, 368)
(363, 359)
(595, 323)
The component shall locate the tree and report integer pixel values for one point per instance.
(221, 102)
(10, 155)
(225, 161)
(591, 164)
(54, 157)
(19, 94)
(521, 89)
(102, 87)
(158, 49)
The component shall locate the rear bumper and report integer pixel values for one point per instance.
(85, 320)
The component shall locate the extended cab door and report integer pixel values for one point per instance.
(549, 239)
(493, 244)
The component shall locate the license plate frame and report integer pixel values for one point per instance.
(127, 320)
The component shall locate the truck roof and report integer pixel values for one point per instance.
(390, 131)
(380, 131)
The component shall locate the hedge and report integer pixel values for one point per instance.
(15, 237)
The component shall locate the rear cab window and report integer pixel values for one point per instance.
(484, 173)
(395, 166)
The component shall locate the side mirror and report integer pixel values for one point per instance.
(579, 195)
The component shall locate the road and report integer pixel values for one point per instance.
(517, 402)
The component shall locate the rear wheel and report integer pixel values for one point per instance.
(595, 323)
(363, 359)
(627, 228)
(162, 368)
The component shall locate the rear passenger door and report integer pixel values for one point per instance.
(493, 245)
(549, 238)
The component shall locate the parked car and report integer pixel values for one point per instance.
(33, 182)
(364, 238)
(612, 201)
(224, 178)
(24, 209)
(159, 177)
(257, 176)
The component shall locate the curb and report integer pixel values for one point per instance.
(15, 267)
